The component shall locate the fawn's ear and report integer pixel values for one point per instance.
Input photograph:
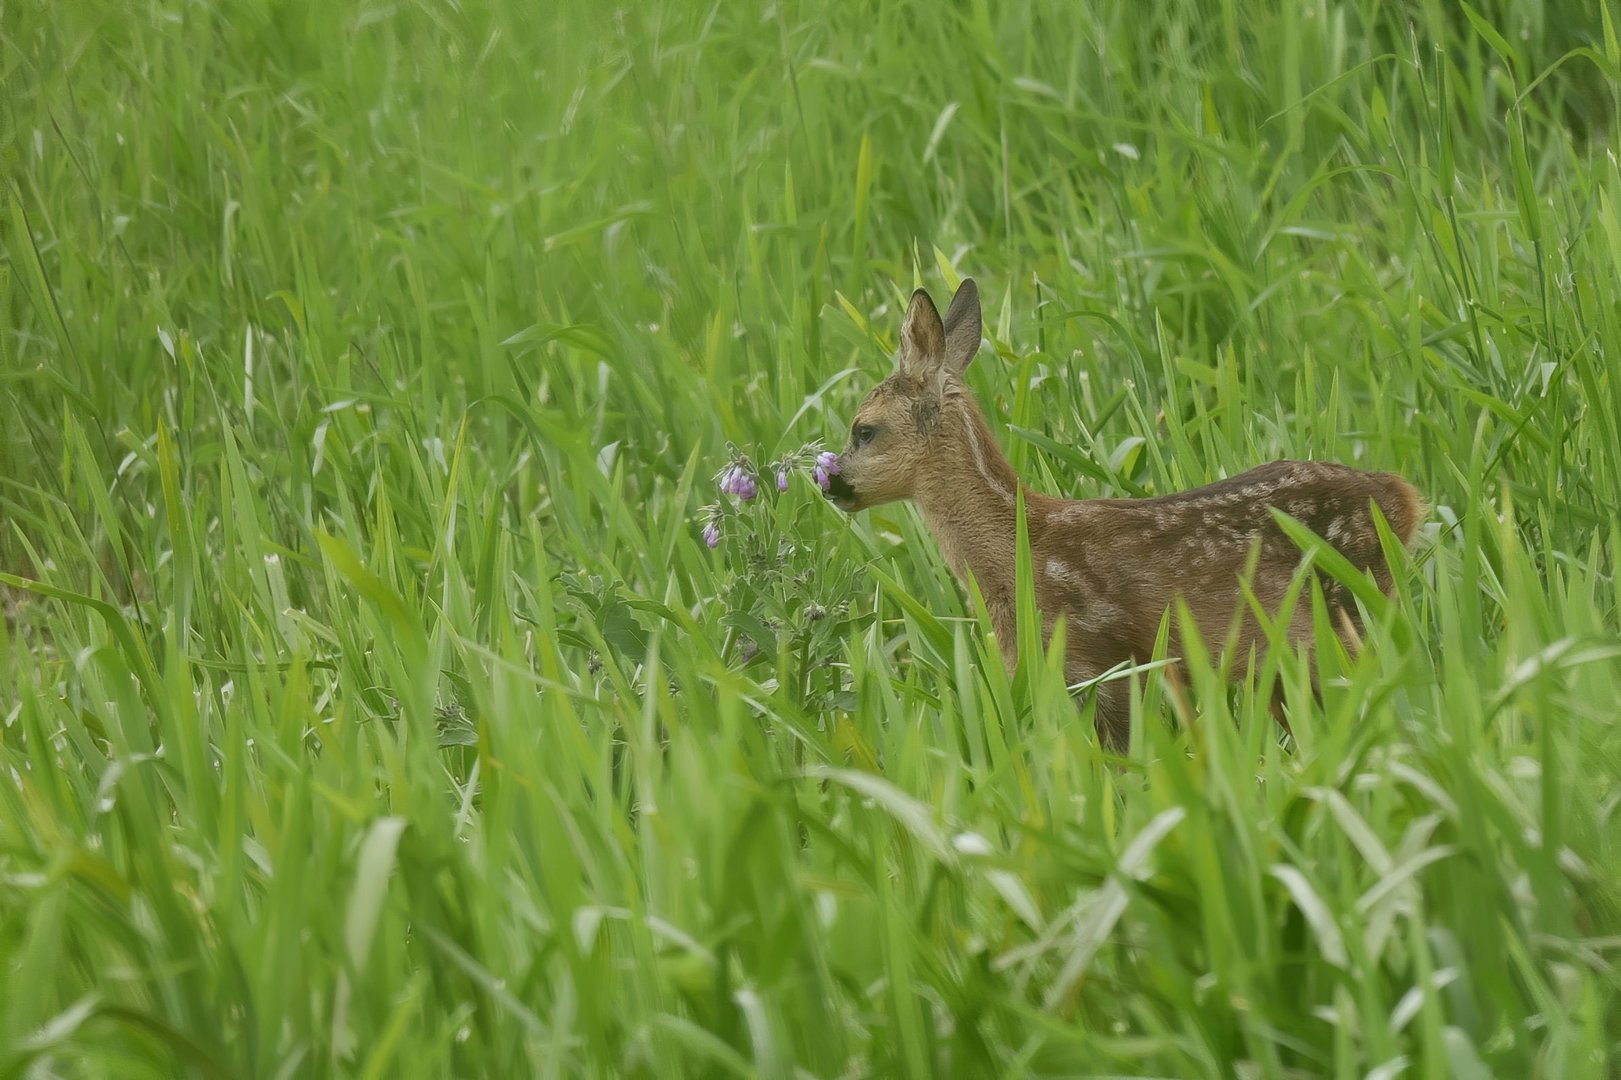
(962, 328)
(923, 337)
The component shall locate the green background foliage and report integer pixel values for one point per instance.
(369, 704)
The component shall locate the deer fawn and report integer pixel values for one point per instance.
(1109, 567)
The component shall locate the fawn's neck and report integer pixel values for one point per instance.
(968, 504)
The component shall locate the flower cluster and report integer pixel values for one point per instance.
(741, 480)
(736, 479)
(827, 464)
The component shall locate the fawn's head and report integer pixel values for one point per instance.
(897, 430)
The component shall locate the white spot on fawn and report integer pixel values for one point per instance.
(1058, 571)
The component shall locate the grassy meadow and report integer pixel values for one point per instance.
(371, 705)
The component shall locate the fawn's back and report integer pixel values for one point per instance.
(1115, 565)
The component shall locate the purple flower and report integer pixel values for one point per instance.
(736, 480)
(828, 462)
(782, 480)
(712, 534)
(819, 474)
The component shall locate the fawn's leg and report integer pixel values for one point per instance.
(1351, 637)
(1180, 701)
(1349, 634)
(1112, 716)
(1277, 708)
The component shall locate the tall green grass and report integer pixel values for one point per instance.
(369, 705)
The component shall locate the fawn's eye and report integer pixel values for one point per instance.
(864, 434)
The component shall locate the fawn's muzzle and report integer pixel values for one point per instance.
(840, 492)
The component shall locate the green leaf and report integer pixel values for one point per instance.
(372, 871)
(909, 813)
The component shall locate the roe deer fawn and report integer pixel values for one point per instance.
(1110, 567)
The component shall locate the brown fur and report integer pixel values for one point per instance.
(1110, 567)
